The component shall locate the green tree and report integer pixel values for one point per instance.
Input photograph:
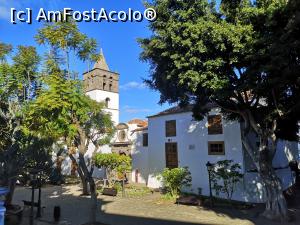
(112, 163)
(62, 109)
(64, 112)
(203, 55)
(19, 151)
(65, 38)
(5, 49)
(25, 67)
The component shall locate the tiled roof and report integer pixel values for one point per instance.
(173, 110)
(178, 109)
(139, 122)
(140, 129)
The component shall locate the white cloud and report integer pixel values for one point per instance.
(132, 85)
(135, 110)
(6, 5)
(4, 12)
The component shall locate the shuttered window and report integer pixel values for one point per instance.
(145, 139)
(216, 148)
(171, 128)
(171, 155)
(215, 124)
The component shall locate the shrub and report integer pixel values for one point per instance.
(118, 186)
(225, 177)
(174, 179)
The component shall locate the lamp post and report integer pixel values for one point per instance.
(123, 178)
(33, 183)
(209, 170)
(39, 186)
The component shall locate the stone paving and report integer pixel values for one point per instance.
(145, 210)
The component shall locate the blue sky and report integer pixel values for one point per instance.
(118, 41)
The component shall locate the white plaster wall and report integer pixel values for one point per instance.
(285, 152)
(139, 156)
(251, 189)
(113, 109)
(190, 132)
(66, 166)
(138, 152)
(98, 173)
(113, 106)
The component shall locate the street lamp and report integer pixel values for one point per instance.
(209, 170)
(33, 178)
(123, 178)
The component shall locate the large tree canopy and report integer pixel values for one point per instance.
(45, 106)
(62, 110)
(20, 151)
(244, 58)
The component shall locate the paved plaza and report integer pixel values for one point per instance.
(149, 209)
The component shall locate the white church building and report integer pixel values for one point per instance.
(173, 138)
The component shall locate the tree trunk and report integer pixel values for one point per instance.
(85, 185)
(276, 207)
(92, 186)
(94, 207)
(11, 186)
(84, 182)
(29, 86)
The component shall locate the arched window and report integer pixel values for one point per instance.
(110, 87)
(107, 100)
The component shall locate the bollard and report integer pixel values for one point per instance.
(2, 213)
(56, 213)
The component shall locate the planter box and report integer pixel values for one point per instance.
(189, 200)
(110, 191)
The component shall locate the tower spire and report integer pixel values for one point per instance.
(101, 63)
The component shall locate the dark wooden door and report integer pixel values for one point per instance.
(171, 155)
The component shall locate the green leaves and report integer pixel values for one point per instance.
(20, 150)
(114, 164)
(235, 57)
(225, 176)
(65, 38)
(195, 48)
(25, 67)
(112, 161)
(61, 33)
(175, 179)
(5, 49)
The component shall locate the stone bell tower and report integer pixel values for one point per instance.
(102, 85)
